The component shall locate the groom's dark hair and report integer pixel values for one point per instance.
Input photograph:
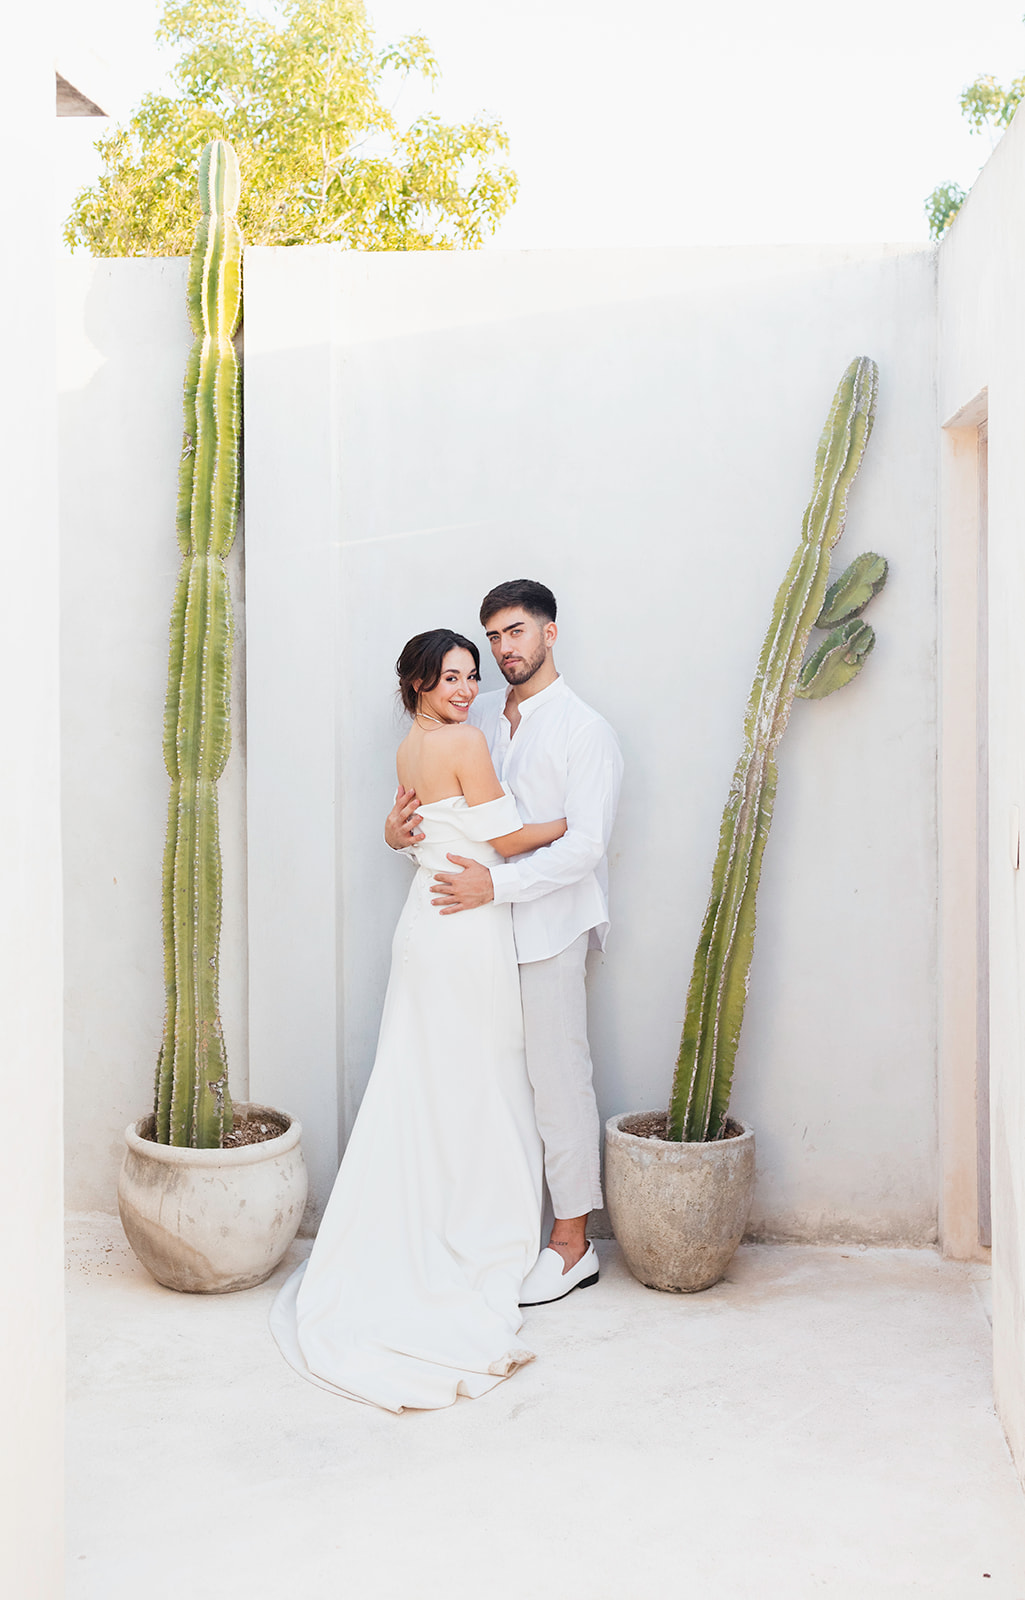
(522, 592)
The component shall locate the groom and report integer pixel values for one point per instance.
(559, 759)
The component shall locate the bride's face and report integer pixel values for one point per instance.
(455, 691)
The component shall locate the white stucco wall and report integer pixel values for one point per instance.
(636, 428)
(981, 346)
(31, 1310)
(123, 340)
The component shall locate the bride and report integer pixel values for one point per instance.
(410, 1296)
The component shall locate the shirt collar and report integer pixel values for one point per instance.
(530, 705)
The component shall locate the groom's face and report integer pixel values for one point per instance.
(519, 643)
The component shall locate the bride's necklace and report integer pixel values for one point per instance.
(427, 714)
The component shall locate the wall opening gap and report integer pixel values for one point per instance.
(964, 834)
(982, 845)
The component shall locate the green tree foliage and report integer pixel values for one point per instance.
(984, 104)
(297, 89)
(942, 206)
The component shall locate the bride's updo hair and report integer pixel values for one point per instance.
(422, 659)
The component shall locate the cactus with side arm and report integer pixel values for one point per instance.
(719, 981)
(193, 1106)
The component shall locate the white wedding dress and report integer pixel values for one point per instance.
(409, 1297)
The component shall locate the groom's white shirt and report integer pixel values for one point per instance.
(563, 761)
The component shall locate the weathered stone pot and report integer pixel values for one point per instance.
(678, 1210)
(210, 1221)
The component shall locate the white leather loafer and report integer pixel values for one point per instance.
(546, 1280)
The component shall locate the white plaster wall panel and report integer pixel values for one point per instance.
(31, 1319)
(638, 429)
(291, 555)
(982, 344)
(123, 339)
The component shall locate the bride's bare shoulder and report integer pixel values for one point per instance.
(459, 748)
(437, 751)
(455, 736)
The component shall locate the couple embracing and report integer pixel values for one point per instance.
(429, 1245)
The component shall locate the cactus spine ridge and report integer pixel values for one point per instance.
(193, 1105)
(719, 980)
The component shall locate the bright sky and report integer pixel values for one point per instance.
(671, 121)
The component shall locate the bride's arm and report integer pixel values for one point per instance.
(530, 837)
(479, 783)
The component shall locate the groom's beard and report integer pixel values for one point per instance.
(523, 670)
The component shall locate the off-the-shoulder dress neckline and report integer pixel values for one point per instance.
(449, 798)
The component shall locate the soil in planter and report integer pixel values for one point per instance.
(254, 1130)
(653, 1126)
(245, 1130)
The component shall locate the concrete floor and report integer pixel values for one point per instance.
(818, 1424)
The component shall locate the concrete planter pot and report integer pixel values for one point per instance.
(678, 1210)
(210, 1221)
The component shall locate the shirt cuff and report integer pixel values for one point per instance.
(503, 880)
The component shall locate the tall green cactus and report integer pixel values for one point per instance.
(722, 962)
(193, 1106)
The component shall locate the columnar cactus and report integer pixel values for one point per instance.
(193, 1106)
(722, 962)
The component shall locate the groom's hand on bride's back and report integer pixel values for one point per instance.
(465, 890)
(402, 822)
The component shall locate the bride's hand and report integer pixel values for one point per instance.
(402, 822)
